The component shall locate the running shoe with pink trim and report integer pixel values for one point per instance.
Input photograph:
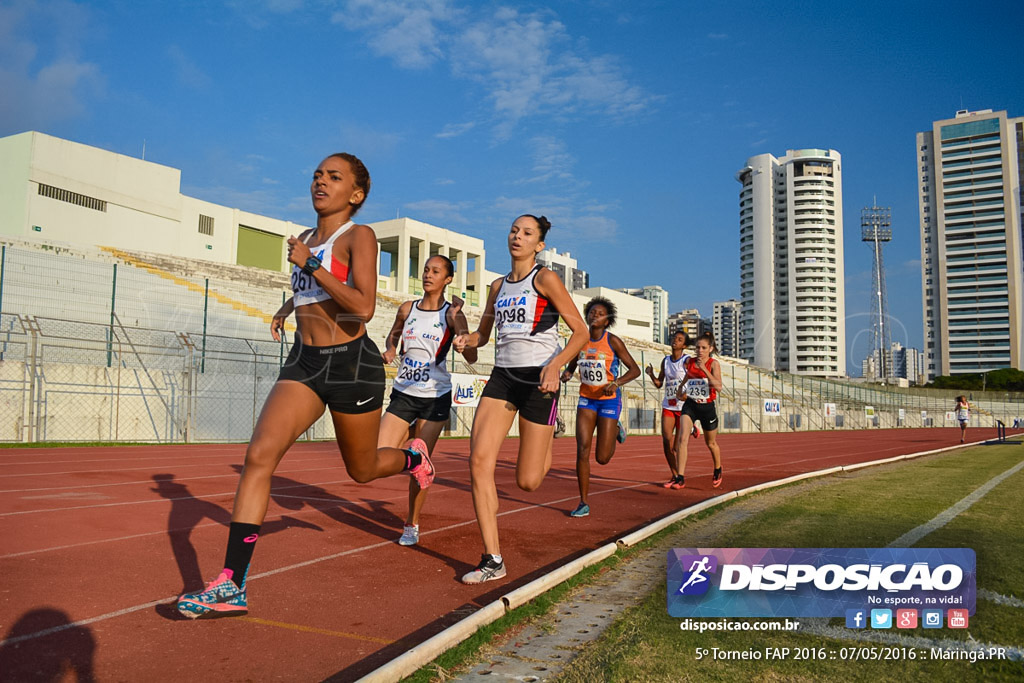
(222, 598)
(716, 478)
(424, 472)
(668, 484)
(679, 483)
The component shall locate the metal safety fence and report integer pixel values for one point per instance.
(66, 380)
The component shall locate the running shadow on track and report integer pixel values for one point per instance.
(368, 515)
(187, 512)
(68, 650)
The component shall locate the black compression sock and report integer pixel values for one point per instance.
(241, 543)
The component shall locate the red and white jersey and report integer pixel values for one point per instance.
(698, 383)
(426, 340)
(526, 324)
(306, 289)
(675, 370)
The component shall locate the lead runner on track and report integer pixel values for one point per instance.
(333, 364)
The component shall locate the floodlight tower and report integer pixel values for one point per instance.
(874, 228)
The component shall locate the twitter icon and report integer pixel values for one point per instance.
(881, 618)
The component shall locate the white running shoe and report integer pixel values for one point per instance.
(410, 535)
(489, 569)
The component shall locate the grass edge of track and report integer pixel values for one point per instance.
(450, 662)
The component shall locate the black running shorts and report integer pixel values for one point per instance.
(412, 408)
(349, 377)
(705, 412)
(518, 386)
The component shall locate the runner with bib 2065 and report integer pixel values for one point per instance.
(421, 395)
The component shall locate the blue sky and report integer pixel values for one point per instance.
(625, 123)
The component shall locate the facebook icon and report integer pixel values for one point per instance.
(856, 618)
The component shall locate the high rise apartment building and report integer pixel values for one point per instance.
(726, 327)
(687, 320)
(970, 179)
(793, 313)
(659, 299)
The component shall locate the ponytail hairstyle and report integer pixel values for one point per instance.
(543, 223)
(710, 338)
(362, 177)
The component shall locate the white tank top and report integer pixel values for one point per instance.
(306, 289)
(527, 324)
(675, 373)
(426, 340)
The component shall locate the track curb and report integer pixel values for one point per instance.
(424, 653)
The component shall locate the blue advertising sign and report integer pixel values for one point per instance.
(817, 582)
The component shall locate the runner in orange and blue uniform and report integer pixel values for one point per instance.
(600, 395)
(699, 389)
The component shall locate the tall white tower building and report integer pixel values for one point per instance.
(970, 179)
(793, 316)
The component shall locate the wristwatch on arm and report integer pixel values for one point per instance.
(312, 265)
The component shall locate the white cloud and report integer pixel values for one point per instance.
(527, 63)
(551, 160)
(44, 81)
(453, 130)
(409, 32)
(442, 211)
(572, 218)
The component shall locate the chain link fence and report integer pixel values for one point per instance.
(94, 350)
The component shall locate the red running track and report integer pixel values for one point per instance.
(96, 542)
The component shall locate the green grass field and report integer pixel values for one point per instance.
(869, 509)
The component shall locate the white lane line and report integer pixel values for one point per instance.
(174, 464)
(298, 565)
(169, 500)
(172, 479)
(949, 514)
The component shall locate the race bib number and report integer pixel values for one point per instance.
(303, 282)
(698, 389)
(413, 373)
(671, 387)
(510, 317)
(592, 372)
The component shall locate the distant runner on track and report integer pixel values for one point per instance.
(701, 383)
(670, 376)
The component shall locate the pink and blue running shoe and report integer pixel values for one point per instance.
(222, 598)
(424, 472)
